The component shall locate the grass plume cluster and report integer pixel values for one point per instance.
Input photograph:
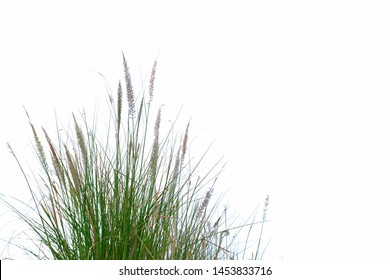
(134, 195)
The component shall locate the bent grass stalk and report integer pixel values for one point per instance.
(131, 203)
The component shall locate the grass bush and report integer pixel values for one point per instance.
(134, 194)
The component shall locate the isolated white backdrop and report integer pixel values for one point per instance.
(295, 94)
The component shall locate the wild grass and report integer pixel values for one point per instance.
(134, 194)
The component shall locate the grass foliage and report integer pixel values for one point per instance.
(134, 195)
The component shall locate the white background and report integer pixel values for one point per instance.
(294, 93)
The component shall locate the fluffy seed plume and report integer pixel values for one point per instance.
(156, 131)
(151, 82)
(155, 148)
(80, 140)
(205, 202)
(185, 140)
(129, 87)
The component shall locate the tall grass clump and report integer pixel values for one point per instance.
(133, 194)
